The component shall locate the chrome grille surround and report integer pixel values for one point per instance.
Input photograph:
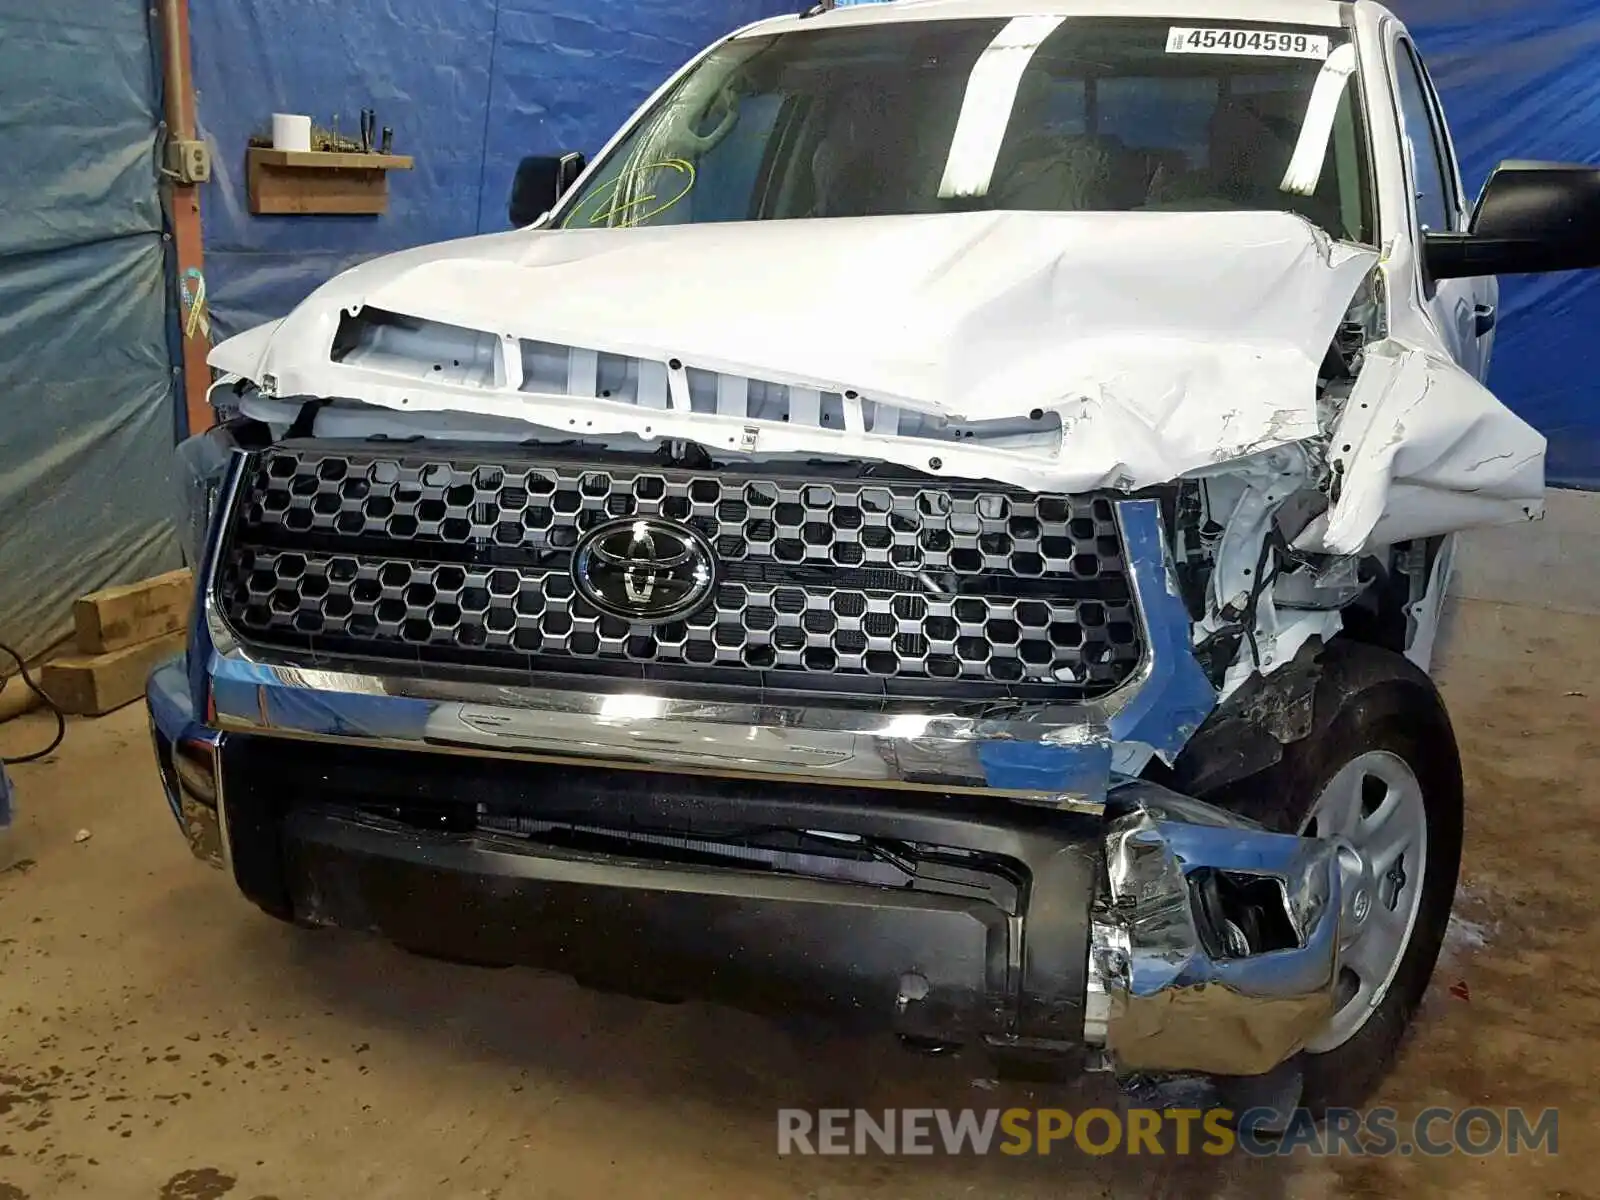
(905, 585)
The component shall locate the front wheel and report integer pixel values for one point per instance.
(1375, 802)
(1381, 770)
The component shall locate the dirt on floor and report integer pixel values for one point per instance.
(160, 1038)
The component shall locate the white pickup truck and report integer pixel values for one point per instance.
(943, 521)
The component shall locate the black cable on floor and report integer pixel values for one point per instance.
(61, 720)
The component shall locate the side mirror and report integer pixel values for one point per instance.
(1531, 216)
(541, 180)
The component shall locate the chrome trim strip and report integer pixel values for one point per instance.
(204, 825)
(1055, 754)
(1171, 697)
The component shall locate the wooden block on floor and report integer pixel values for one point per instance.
(89, 685)
(133, 613)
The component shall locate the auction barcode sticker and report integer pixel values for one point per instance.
(1273, 43)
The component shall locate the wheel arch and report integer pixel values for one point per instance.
(1235, 760)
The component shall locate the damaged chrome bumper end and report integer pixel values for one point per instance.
(186, 753)
(1214, 943)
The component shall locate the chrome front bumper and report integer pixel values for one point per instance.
(1173, 983)
(187, 755)
(1161, 990)
(1140, 973)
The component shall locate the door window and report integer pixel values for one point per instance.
(1430, 170)
(1459, 205)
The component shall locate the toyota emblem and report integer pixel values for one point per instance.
(644, 570)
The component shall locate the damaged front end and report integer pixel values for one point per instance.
(986, 582)
(1213, 942)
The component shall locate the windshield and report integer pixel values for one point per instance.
(1033, 113)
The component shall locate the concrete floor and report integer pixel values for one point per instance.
(161, 1038)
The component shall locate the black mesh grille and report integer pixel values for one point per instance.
(908, 586)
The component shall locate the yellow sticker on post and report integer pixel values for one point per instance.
(1269, 43)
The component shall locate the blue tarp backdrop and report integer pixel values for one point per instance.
(471, 85)
(86, 385)
(1519, 80)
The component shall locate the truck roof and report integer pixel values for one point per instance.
(1325, 13)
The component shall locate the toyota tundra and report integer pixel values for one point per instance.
(942, 524)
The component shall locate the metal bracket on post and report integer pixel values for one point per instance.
(188, 161)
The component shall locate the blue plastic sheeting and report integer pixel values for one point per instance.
(422, 64)
(472, 85)
(86, 386)
(469, 86)
(1519, 80)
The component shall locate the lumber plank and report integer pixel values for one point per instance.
(92, 684)
(132, 613)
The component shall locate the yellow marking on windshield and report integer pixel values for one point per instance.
(634, 210)
(607, 214)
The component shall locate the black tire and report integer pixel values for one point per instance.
(1369, 699)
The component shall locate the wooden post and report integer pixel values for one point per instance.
(195, 309)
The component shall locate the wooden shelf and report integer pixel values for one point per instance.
(297, 182)
(328, 160)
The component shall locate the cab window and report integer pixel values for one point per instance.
(1431, 176)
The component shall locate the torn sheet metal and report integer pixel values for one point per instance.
(1161, 342)
(1421, 449)
(242, 355)
(1161, 996)
(1131, 348)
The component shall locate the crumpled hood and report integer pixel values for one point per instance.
(1166, 341)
